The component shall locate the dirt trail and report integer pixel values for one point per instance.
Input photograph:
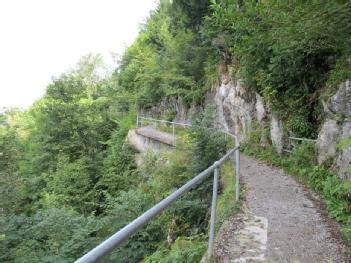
(281, 222)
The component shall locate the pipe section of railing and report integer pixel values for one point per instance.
(293, 141)
(213, 212)
(302, 139)
(226, 133)
(122, 235)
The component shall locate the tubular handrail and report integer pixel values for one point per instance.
(140, 118)
(292, 144)
(123, 234)
(234, 136)
(302, 139)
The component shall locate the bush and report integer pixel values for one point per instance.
(184, 250)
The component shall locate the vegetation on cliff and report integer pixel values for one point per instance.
(68, 179)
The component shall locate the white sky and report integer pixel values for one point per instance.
(43, 38)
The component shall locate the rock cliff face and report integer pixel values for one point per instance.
(337, 128)
(241, 110)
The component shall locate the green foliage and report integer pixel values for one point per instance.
(168, 57)
(226, 206)
(340, 72)
(10, 154)
(285, 51)
(60, 163)
(184, 250)
(208, 145)
(68, 178)
(54, 235)
(70, 186)
(121, 211)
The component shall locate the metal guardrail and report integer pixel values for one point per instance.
(292, 143)
(140, 120)
(122, 235)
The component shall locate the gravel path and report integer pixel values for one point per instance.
(281, 222)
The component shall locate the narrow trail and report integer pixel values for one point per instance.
(281, 222)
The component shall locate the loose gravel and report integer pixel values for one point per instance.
(294, 221)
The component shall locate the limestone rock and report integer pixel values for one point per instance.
(235, 108)
(344, 159)
(277, 134)
(340, 103)
(260, 109)
(335, 129)
(327, 139)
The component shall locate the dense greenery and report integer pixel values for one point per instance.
(67, 176)
(58, 160)
(169, 57)
(285, 50)
(292, 53)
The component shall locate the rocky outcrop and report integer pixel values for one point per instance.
(327, 139)
(335, 129)
(340, 103)
(240, 110)
(235, 108)
(277, 133)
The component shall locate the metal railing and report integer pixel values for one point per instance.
(140, 121)
(292, 142)
(122, 235)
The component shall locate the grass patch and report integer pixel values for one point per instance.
(183, 250)
(226, 204)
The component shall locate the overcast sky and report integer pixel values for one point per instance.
(43, 38)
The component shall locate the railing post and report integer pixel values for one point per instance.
(237, 170)
(137, 121)
(213, 212)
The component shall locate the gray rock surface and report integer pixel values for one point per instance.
(239, 109)
(298, 229)
(327, 139)
(344, 158)
(340, 103)
(236, 107)
(335, 129)
(277, 134)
